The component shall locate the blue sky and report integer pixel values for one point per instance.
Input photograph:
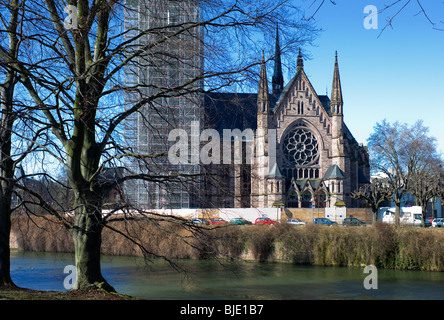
(398, 76)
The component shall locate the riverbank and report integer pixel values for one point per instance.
(15, 293)
(382, 245)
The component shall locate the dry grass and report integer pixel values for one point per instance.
(381, 244)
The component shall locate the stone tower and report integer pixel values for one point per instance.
(338, 156)
(260, 170)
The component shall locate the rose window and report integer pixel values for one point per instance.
(300, 146)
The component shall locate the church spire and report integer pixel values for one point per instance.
(336, 91)
(277, 79)
(300, 64)
(263, 98)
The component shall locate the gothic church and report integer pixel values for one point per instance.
(313, 160)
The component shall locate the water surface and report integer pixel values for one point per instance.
(203, 279)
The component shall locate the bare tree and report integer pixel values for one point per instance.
(374, 194)
(387, 155)
(76, 80)
(425, 181)
(401, 153)
(10, 44)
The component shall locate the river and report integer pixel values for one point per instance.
(205, 280)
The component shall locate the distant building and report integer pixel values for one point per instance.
(168, 64)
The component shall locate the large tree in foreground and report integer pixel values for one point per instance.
(75, 77)
(17, 138)
(10, 45)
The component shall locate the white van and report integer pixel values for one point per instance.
(408, 215)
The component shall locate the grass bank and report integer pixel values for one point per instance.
(382, 245)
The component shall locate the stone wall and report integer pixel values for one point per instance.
(307, 214)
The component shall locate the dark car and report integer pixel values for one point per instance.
(239, 221)
(199, 221)
(264, 220)
(353, 222)
(323, 221)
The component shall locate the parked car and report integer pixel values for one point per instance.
(296, 221)
(264, 220)
(353, 222)
(323, 221)
(435, 222)
(440, 223)
(217, 221)
(199, 221)
(240, 221)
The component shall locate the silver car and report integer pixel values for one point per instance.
(437, 222)
(296, 221)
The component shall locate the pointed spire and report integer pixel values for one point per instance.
(278, 79)
(336, 91)
(263, 96)
(300, 64)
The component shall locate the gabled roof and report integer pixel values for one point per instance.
(275, 172)
(307, 183)
(334, 172)
(323, 99)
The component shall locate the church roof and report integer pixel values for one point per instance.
(334, 172)
(362, 178)
(225, 110)
(307, 183)
(275, 172)
(324, 99)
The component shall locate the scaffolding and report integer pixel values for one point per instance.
(166, 70)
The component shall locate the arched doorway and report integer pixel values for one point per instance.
(306, 198)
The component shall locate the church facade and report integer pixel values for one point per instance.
(317, 160)
(304, 154)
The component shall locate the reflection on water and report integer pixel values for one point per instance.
(240, 280)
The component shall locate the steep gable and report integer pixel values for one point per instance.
(299, 98)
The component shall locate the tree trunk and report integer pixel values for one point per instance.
(423, 213)
(86, 234)
(397, 213)
(7, 176)
(5, 230)
(374, 216)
